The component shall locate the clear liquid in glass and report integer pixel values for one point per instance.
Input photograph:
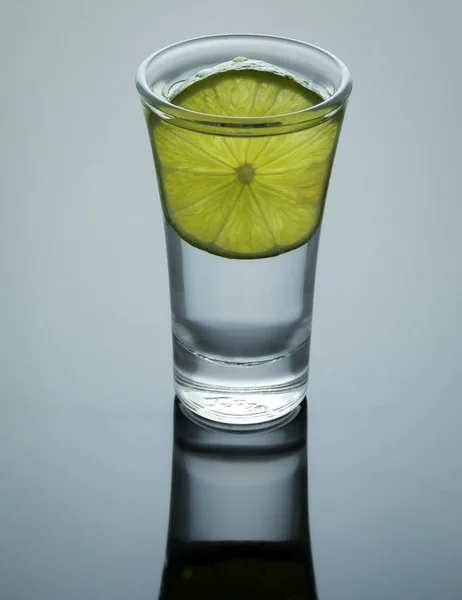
(241, 330)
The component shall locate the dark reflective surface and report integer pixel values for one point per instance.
(85, 498)
(239, 516)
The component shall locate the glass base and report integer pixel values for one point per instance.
(243, 393)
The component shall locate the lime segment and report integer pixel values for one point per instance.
(244, 197)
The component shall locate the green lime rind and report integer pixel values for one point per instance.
(238, 64)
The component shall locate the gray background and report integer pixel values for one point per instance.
(85, 392)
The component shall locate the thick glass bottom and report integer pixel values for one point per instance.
(241, 393)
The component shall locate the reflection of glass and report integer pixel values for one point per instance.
(238, 518)
(242, 280)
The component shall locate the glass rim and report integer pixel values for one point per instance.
(317, 113)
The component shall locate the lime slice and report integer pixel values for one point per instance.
(244, 197)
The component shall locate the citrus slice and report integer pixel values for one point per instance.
(244, 197)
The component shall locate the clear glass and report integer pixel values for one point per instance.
(241, 323)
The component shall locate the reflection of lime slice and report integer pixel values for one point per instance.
(238, 196)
